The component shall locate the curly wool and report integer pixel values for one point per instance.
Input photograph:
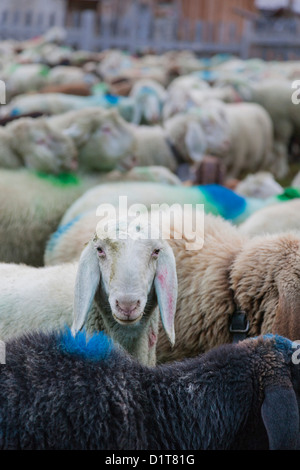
(57, 392)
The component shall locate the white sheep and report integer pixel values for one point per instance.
(22, 78)
(217, 199)
(120, 278)
(296, 181)
(189, 91)
(146, 193)
(259, 185)
(103, 138)
(276, 97)
(50, 103)
(34, 203)
(33, 144)
(277, 218)
(180, 140)
(153, 173)
(65, 74)
(245, 153)
(148, 97)
(31, 206)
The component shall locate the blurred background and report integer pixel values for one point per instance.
(247, 28)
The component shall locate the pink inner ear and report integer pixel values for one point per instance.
(163, 281)
(162, 277)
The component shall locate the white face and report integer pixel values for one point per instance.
(176, 102)
(128, 269)
(259, 186)
(217, 134)
(113, 140)
(46, 150)
(151, 109)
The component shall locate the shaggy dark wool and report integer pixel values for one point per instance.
(57, 392)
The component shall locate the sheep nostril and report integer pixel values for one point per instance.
(127, 307)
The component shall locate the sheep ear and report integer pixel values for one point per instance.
(281, 418)
(75, 133)
(137, 114)
(72, 131)
(287, 318)
(195, 141)
(165, 283)
(87, 281)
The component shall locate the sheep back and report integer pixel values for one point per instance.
(67, 393)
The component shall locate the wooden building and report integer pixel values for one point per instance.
(245, 28)
(216, 17)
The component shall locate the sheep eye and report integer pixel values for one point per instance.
(41, 142)
(106, 129)
(100, 251)
(155, 253)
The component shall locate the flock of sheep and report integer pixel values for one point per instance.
(135, 342)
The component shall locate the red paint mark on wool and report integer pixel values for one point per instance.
(152, 338)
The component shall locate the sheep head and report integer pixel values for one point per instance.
(148, 96)
(260, 185)
(130, 274)
(212, 119)
(265, 278)
(109, 144)
(187, 136)
(42, 148)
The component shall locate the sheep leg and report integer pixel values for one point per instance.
(279, 408)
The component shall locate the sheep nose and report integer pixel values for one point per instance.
(127, 306)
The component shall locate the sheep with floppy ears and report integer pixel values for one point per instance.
(138, 272)
(122, 281)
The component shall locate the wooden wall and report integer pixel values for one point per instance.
(217, 12)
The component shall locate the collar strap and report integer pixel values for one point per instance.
(239, 326)
(177, 155)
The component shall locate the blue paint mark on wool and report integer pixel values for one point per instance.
(97, 347)
(230, 205)
(282, 343)
(112, 99)
(61, 231)
(15, 112)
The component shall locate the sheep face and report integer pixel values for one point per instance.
(217, 135)
(260, 185)
(214, 123)
(147, 108)
(187, 135)
(42, 148)
(149, 97)
(110, 144)
(127, 278)
(130, 276)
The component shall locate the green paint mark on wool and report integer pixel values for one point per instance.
(44, 71)
(63, 179)
(289, 193)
